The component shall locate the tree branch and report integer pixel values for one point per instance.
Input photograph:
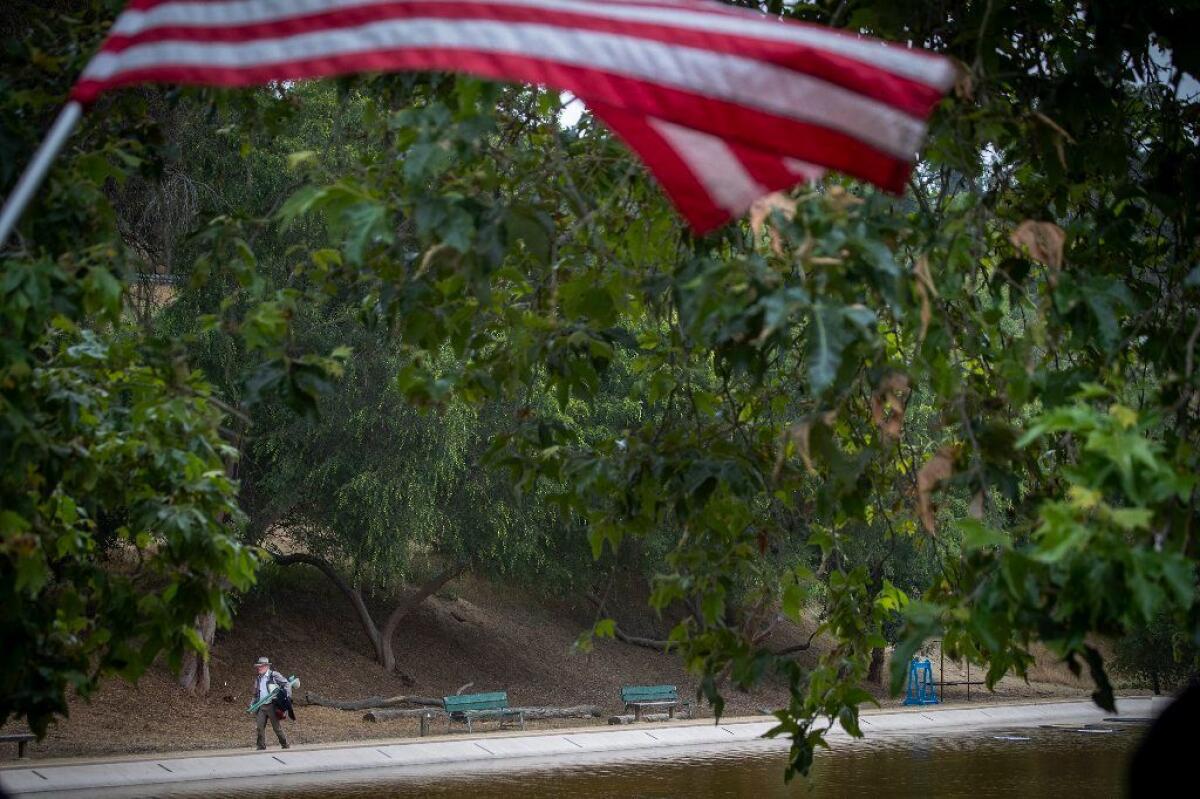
(353, 595)
(410, 604)
(791, 650)
(623, 637)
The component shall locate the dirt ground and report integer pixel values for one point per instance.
(493, 639)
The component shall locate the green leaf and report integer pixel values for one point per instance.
(301, 157)
(531, 228)
(793, 602)
(826, 341)
(195, 641)
(976, 535)
(32, 572)
(585, 298)
(365, 224)
(605, 628)
(300, 203)
(1132, 518)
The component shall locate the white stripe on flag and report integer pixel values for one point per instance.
(803, 169)
(933, 72)
(716, 75)
(712, 162)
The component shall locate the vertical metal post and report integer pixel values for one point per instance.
(942, 672)
(424, 724)
(968, 679)
(16, 203)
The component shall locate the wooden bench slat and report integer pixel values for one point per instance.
(650, 696)
(644, 693)
(465, 707)
(654, 703)
(465, 703)
(21, 739)
(495, 699)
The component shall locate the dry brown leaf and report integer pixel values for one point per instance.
(841, 199)
(760, 213)
(799, 434)
(940, 467)
(1043, 242)
(975, 509)
(888, 403)
(964, 86)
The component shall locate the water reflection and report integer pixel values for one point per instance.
(1030, 763)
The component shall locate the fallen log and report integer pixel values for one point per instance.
(574, 712)
(388, 714)
(628, 718)
(371, 701)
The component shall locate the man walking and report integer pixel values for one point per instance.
(264, 678)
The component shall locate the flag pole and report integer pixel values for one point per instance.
(35, 173)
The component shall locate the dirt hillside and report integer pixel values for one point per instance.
(473, 633)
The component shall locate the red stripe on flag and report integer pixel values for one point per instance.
(752, 127)
(862, 78)
(715, 110)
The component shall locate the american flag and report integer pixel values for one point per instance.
(722, 104)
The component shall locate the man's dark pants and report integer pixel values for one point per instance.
(263, 715)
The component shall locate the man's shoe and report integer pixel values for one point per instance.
(260, 748)
(286, 746)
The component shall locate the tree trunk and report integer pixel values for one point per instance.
(387, 656)
(381, 640)
(355, 597)
(875, 670)
(195, 675)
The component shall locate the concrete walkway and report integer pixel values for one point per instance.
(83, 777)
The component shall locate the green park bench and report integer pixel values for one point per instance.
(465, 707)
(639, 697)
(21, 739)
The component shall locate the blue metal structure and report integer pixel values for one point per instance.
(920, 684)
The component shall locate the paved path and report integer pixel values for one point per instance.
(80, 777)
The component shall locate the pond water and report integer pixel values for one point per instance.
(1026, 763)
